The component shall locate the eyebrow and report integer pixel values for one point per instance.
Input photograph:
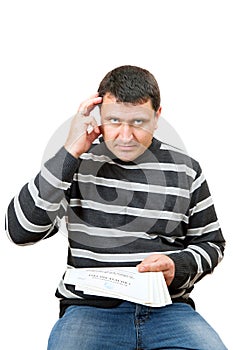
(140, 117)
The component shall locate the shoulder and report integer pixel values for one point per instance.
(177, 155)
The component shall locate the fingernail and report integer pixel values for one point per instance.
(142, 268)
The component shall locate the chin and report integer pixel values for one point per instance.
(127, 157)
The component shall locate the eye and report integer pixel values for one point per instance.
(114, 121)
(138, 122)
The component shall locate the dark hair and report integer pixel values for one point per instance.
(131, 84)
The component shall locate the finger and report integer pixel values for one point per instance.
(152, 267)
(149, 259)
(152, 258)
(86, 106)
(169, 276)
(168, 271)
(157, 267)
(91, 124)
(79, 127)
(156, 263)
(93, 135)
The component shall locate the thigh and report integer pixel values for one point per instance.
(178, 326)
(87, 328)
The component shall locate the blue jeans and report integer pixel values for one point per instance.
(131, 326)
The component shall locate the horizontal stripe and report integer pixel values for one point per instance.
(195, 278)
(9, 236)
(108, 232)
(25, 223)
(197, 259)
(53, 180)
(132, 211)
(130, 257)
(186, 283)
(65, 292)
(202, 252)
(146, 166)
(114, 233)
(172, 239)
(197, 183)
(213, 226)
(171, 148)
(206, 203)
(96, 158)
(131, 186)
(39, 202)
(182, 293)
(218, 250)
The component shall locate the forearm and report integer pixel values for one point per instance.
(197, 260)
(34, 213)
(204, 243)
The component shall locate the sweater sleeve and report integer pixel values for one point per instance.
(204, 243)
(35, 212)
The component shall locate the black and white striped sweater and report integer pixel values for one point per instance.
(117, 213)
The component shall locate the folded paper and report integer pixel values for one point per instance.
(146, 288)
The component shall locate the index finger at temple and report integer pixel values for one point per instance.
(87, 105)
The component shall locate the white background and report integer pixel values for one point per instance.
(53, 55)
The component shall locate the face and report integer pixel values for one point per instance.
(127, 129)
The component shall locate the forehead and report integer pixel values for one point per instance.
(110, 107)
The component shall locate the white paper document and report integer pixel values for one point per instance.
(146, 288)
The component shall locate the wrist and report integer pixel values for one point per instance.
(73, 152)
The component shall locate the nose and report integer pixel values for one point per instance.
(126, 132)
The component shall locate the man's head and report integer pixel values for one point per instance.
(129, 111)
(131, 84)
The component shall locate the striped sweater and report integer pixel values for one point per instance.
(117, 213)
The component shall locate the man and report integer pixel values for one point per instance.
(129, 200)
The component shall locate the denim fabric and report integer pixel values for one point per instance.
(131, 326)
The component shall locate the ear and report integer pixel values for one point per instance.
(157, 115)
(159, 111)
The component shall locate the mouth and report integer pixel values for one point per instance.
(126, 147)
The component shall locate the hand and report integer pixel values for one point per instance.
(84, 129)
(159, 262)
